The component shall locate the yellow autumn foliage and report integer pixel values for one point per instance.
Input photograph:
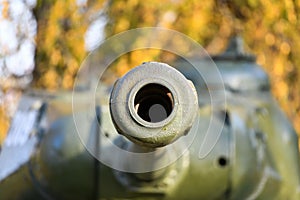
(270, 30)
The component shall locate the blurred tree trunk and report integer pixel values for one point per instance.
(60, 40)
(60, 49)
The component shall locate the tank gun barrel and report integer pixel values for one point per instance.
(153, 105)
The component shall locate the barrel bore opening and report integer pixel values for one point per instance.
(154, 103)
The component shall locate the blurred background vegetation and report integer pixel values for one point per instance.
(270, 29)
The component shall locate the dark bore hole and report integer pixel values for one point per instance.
(153, 102)
(222, 161)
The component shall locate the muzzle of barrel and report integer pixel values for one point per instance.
(153, 105)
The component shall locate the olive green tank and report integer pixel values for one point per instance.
(159, 132)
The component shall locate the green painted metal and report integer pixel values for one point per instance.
(255, 157)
